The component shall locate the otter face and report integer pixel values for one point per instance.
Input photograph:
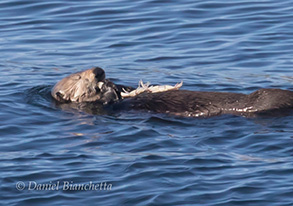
(87, 86)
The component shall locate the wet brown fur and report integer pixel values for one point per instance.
(83, 87)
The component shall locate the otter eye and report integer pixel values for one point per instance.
(60, 96)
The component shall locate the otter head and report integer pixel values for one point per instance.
(86, 86)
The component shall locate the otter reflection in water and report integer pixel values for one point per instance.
(91, 86)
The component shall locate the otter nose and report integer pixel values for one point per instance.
(99, 73)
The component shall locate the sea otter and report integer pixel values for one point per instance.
(91, 86)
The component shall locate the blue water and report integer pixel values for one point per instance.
(144, 159)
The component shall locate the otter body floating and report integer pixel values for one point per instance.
(91, 86)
